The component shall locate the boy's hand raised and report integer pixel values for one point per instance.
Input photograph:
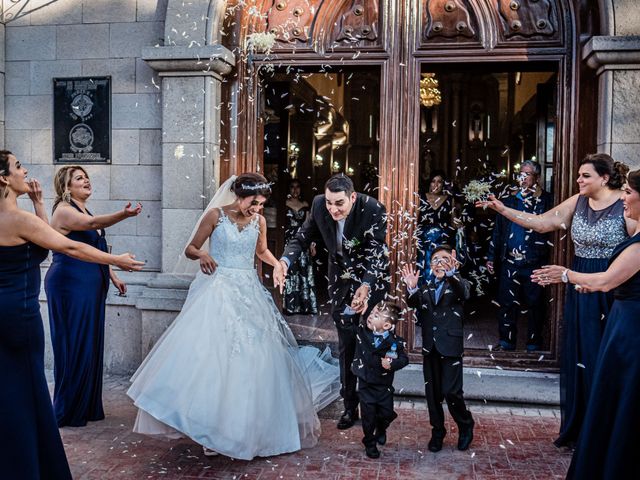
(410, 276)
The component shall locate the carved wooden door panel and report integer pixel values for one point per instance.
(400, 38)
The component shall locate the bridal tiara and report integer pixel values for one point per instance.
(257, 186)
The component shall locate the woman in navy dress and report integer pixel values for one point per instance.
(76, 297)
(598, 225)
(607, 444)
(30, 444)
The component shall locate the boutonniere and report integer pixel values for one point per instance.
(347, 274)
(351, 244)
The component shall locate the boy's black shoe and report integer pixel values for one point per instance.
(381, 437)
(347, 419)
(372, 451)
(465, 437)
(435, 444)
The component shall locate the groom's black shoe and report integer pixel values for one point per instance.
(347, 419)
(381, 437)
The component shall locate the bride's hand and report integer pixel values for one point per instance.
(279, 277)
(207, 264)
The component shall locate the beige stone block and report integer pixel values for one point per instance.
(152, 10)
(136, 111)
(184, 120)
(125, 147)
(122, 340)
(625, 127)
(177, 225)
(136, 183)
(28, 112)
(145, 248)
(17, 78)
(127, 39)
(147, 80)
(19, 142)
(30, 43)
(43, 73)
(149, 222)
(183, 176)
(108, 11)
(83, 41)
(150, 147)
(41, 146)
(121, 70)
(60, 12)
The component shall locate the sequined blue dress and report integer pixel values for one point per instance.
(30, 444)
(228, 372)
(595, 235)
(299, 289)
(607, 446)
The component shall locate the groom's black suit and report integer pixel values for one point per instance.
(364, 259)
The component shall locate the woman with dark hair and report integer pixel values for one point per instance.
(30, 444)
(437, 221)
(228, 372)
(76, 298)
(299, 291)
(607, 445)
(596, 218)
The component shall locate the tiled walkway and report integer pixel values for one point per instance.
(510, 443)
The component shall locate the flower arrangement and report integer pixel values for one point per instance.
(476, 190)
(260, 42)
(351, 244)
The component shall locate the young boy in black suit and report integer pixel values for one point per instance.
(379, 353)
(439, 308)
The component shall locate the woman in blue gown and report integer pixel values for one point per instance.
(30, 444)
(595, 216)
(76, 296)
(606, 447)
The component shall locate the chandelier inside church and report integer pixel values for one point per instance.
(429, 92)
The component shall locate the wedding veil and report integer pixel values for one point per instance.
(223, 196)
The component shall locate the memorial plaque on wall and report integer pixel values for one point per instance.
(82, 120)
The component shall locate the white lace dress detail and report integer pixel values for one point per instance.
(228, 372)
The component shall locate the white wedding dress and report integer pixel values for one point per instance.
(228, 372)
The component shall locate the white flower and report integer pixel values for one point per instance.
(260, 42)
(476, 190)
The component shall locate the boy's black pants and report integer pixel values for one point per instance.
(443, 381)
(376, 409)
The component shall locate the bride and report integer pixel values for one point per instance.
(228, 372)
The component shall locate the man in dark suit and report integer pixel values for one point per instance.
(353, 227)
(514, 252)
(439, 308)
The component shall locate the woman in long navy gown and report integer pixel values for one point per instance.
(76, 296)
(595, 216)
(30, 444)
(607, 444)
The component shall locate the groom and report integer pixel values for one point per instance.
(353, 227)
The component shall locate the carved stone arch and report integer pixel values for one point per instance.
(198, 21)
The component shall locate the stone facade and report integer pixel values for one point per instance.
(166, 65)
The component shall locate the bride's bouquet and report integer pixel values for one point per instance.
(476, 190)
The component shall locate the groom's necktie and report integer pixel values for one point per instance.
(339, 234)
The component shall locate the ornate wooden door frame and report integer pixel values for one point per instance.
(399, 37)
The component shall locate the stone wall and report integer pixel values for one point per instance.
(83, 38)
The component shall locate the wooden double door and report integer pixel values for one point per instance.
(348, 86)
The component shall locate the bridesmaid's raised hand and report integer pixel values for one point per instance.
(492, 202)
(130, 211)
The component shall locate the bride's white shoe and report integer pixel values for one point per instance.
(208, 452)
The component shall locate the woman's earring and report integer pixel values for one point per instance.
(66, 196)
(604, 183)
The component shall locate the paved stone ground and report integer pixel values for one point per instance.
(510, 443)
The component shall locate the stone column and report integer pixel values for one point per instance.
(191, 101)
(617, 62)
